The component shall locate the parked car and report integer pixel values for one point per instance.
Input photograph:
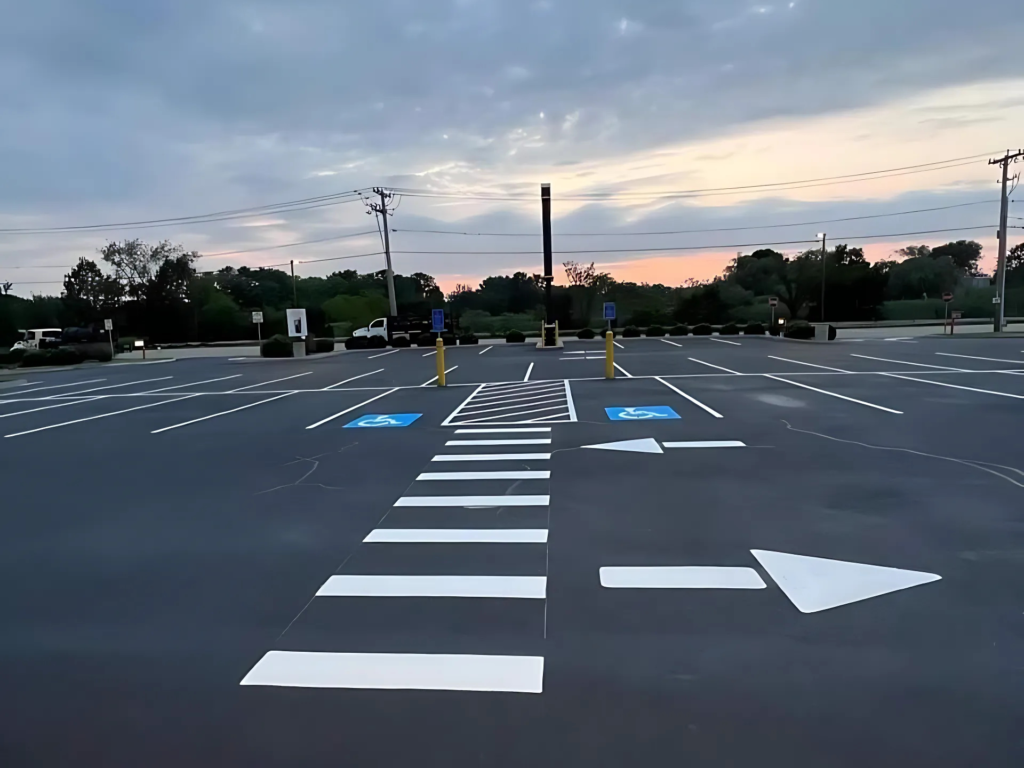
(41, 338)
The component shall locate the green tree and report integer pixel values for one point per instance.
(965, 255)
(89, 293)
(922, 277)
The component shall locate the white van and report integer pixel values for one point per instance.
(32, 338)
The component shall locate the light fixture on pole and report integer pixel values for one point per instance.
(822, 236)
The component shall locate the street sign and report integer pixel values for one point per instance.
(609, 310)
(108, 325)
(947, 296)
(996, 300)
(296, 323)
(437, 320)
(644, 413)
(383, 420)
(773, 301)
(957, 314)
(257, 317)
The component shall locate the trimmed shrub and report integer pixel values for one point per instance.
(356, 342)
(679, 330)
(324, 345)
(276, 346)
(376, 342)
(401, 342)
(586, 333)
(425, 340)
(448, 339)
(702, 329)
(65, 356)
(631, 332)
(655, 330)
(754, 329)
(729, 329)
(799, 329)
(515, 337)
(603, 333)
(35, 358)
(468, 338)
(11, 356)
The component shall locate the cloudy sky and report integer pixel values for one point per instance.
(637, 113)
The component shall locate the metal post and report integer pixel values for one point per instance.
(110, 338)
(945, 320)
(387, 255)
(609, 354)
(823, 252)
(440, 361)
(295, 295)
(549, 270)
(773, 320)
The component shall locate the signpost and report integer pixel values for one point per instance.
(609, 312)
(947, 297)
(108, 326)
(257, 317)
(957, 314)
(437, 320)
(773, 302)
(297, 330)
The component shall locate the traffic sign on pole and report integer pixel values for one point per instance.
(437, 320)
(609, 310)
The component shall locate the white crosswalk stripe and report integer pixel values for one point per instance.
(515, 403)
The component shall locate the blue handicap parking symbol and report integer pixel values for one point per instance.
(642, 413)
(384, 420)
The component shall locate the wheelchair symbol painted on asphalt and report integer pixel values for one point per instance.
(641, 413)
(384, 420)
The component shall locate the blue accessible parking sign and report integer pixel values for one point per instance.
(641, 413)
(384, 420)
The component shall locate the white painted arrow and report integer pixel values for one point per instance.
(816, 584)
(642, 445)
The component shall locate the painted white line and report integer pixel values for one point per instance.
(193, 384)
(236, 359)
(618, 345)
(528, 372)
(354, 407)
(272, 381)
(486, 349)
(569, 401)
(517, 413)
(583, 352)
(904, 362)
(101, 416)
(360, 376)
(459, 408)
(902, 338)
(527, 441)
(833, 394)
(517, 386)
(972, 357)
(588, 357)
(492, 430)
(57, 386)
(112, 386)
(673, 343)
(709, 365)
(723, 341)
(954, 386)
(515, 474)
(546, 418)
(693, 400)
(384, 354)
(514, 397)
(457, 536)
(688, 577)
(492, 457)
(222, 413)
(399, 671)
(432, 352)
(48, 407)
(810, 365)
(141, 362)
(526, 402)
(623, 371)
(707, 444)
(431, 381)
(473, 501)
(348, 585)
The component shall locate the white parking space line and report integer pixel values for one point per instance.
(473, 501)
(100, 416)
(349, 410)
(618, 345)
(528, 372)
(457, 536)
(514, 396)
(693, 400)
(709, 365)
(192, 384)
(518, 413)
(112, 386)
(48, 407)
(904, 362)
(707, 444)
(687, 577)
(569, 401)
(360, 376)
(518, 386)
(221, 413)
(550, 397)
(954, 386)
(272, 381)
(21, 392)
(514, 474)
(972, 357)
(399, 671)
(810, 365)
(526, 441)
(488, 348)
(723, 341)
(834, 394)
(141, 362)
(492, 430)
(673, 343)
(433, 352)
(431, 381)
(588, 357)
(354, 585)
(623, 371)
(384, 354)
(492, 457)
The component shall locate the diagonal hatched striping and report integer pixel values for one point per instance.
(534, 402)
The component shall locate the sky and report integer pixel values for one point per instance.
(644, 116)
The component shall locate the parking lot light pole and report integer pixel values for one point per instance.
(822, 236)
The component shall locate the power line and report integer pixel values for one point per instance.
(694, 231)
(339, 258)
(288, 245)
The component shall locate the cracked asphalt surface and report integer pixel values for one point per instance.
(146, 572)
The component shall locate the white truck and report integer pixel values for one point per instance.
(39, 338)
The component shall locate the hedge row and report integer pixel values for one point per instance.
(37, 358)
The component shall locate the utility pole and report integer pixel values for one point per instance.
(295, 295)
(1004, 206)
(823, 253)
(382, 209)
(549, 270)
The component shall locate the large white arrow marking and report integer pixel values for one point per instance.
(643, 445)
(816, 584)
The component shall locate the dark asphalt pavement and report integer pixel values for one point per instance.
(163, 538)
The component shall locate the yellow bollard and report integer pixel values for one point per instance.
(440, 362)
(609, 356)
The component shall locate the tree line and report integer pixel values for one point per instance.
(160, 292)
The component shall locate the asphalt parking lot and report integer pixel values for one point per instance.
(739, 551)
